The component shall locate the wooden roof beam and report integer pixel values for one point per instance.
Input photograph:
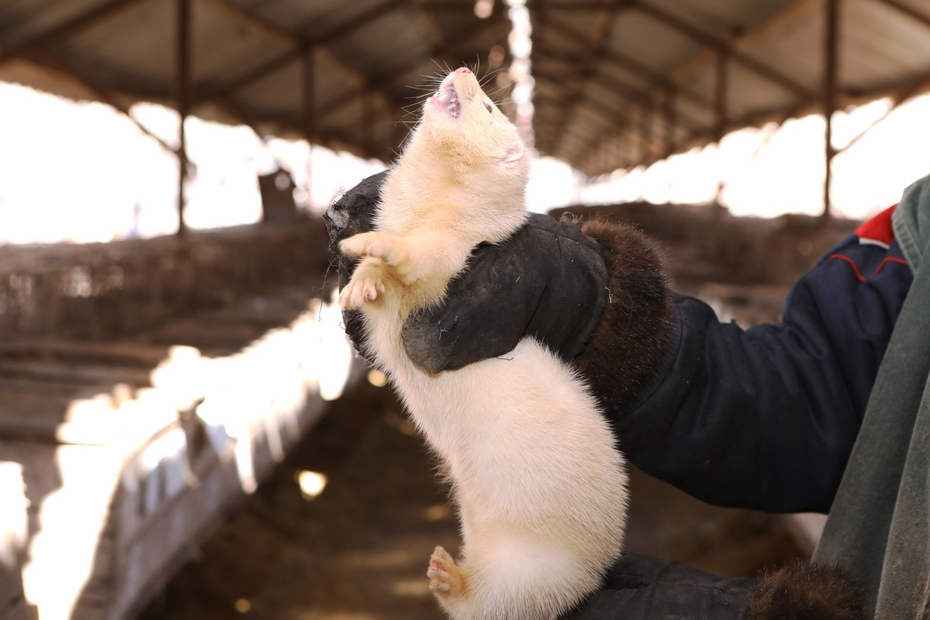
(914, 87)
(664, 83)
(596, 45)
(709, 40)
(386, 78)
(629, 94)
(638, 102)
(300, 44)
(98, 91)
(634, 66)
(250, 20)
(909, 11)
(57, 33)
(771, 26)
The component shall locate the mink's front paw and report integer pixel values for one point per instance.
(364, 287)
(388, 248)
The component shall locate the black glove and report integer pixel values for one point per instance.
(548, 281)
(640, 587)
(352, 214)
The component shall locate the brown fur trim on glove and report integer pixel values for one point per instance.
(631, 338)
(805, 591)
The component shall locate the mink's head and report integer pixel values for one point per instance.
(462, 129)
(464, 158)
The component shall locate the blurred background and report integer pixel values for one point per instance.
(184, 429)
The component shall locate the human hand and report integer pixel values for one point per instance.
(352, 214)
(640, 587)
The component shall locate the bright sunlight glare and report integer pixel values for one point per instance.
(311, 483)
(83, 172)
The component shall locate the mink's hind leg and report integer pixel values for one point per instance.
(445, 578)
(510, 579)
(447, 582)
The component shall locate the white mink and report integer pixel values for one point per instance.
(540, 485)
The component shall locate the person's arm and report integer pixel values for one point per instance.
(761, 418)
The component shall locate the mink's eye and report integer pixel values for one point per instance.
(489, 107)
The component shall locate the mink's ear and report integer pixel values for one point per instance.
(513, 153)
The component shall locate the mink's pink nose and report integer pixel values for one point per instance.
(463, 70)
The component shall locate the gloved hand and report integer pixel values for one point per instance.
(548, 281)
(640, 587)
(352, 214)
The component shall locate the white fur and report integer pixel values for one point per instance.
(539, 482)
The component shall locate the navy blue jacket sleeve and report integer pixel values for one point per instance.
(765, 418)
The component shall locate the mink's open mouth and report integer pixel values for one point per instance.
(450, 99)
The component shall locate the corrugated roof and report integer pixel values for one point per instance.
(618, 82)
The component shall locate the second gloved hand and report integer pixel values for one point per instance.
(548, 281)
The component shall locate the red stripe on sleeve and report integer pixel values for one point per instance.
(889, 259)
(851, 262)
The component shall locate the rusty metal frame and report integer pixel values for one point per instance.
(908, 10)
(300, 45)
(595, 47)
(182, 75)
(669, 119)
(721, 88)
(631, 65)
(67, 28)
(831, 58)
(760, 68)
(309, 95)
(405, 67)
(676, 79)
(661, 91)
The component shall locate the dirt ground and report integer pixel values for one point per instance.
(359, 551)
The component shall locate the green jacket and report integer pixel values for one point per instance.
(879, 525)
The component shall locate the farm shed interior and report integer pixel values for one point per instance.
(617, 84)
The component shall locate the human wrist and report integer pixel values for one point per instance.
(626, 353)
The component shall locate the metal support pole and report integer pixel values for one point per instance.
(831, 41)
(309, 111)
(309, 114)
(720, 102)
(182, 77)
(668, 109)
(368, 124)
(645, 126)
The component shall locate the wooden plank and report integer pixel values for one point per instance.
(762, 69)
(201, 333)
(923, 18)
(121, 352)
(830, 58)
(182, 73)
(13, 532)
(57, 33)
(19, 610)
(78, 374)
